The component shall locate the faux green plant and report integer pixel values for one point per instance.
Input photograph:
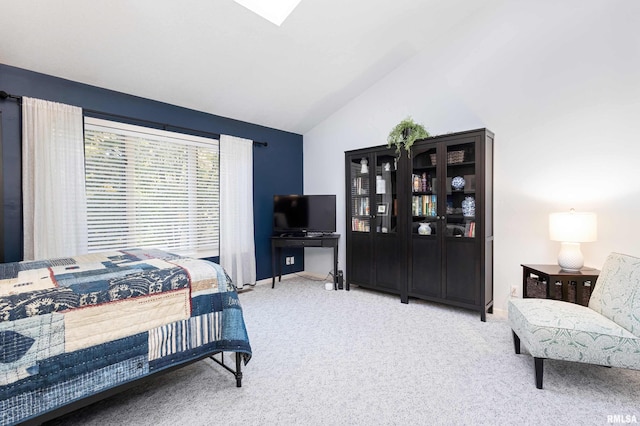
(405, 134)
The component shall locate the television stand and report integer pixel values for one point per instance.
(310, 240)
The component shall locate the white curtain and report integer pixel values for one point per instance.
(54, 201)
(237, 248)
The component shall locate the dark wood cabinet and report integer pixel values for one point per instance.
(376, 221)
(439, 243)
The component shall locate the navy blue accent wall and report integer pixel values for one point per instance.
(277, 169)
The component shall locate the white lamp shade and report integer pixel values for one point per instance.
(575, 227)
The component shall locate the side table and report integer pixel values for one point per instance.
(551, 282)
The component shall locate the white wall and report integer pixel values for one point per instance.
(558, 83)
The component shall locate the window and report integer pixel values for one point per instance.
(151, 188)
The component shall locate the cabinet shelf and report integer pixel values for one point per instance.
(464, 163)
(423, 168)
(455, 216)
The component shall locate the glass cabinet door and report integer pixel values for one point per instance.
(386, 196)
(424, 193)
(461, 187)
(360, 208)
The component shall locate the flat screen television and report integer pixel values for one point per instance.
(304, 214)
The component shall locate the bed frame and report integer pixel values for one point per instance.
(94, 349)
(81, 403)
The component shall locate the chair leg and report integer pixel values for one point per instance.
(516, 342)
(539, 369)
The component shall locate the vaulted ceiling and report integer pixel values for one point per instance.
(217, 56)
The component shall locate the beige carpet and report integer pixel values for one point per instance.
(360, 357)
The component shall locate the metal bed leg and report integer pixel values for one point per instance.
(237, 372)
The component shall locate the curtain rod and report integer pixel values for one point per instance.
(5, 95)
(164, 126)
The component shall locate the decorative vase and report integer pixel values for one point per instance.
(457, 183)
(364, 167)
(469, 206)
(424, 229)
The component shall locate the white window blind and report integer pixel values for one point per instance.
(151, 188)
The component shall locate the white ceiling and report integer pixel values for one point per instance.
(217, 56)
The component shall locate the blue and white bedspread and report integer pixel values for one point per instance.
(73, 327)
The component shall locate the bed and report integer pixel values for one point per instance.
(74, 330)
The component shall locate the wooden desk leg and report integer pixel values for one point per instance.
(275, 253)
(335, 267)
(273, 266)
(279, 264)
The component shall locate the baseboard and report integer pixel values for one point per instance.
(304, 274)
(284, 277)
(315, 275)
(500, 313)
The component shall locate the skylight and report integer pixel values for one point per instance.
(275, 11)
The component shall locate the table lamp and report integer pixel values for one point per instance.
(572, 228)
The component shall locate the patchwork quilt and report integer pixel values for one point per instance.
(73, 327)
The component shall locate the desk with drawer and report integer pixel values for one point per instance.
(329, 241)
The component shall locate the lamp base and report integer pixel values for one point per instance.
(570, 257)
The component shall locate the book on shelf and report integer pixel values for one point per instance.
(424, 205)
(421, 182)
(359, 225)
(470, 229)
(361, 207)
(360, 186)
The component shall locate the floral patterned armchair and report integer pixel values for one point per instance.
(607, 332)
